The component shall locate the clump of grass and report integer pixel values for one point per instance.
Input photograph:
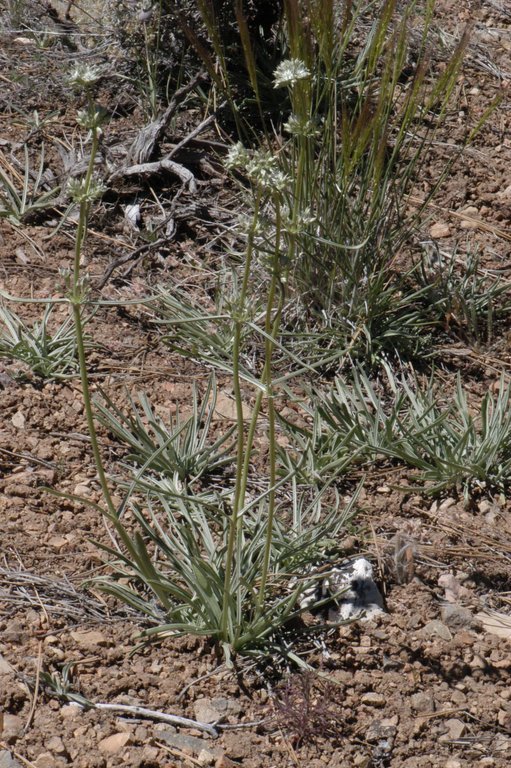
(362, 109)
(461, 297)
(22, 196)
(448, 444)
(185, 449)
(50, 355)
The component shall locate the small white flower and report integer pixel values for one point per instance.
(90, 118)
(80, 192)
(297, 126)
(237, 156)
(289, 73)
(84, 75)
(262, 169)
(297, 223)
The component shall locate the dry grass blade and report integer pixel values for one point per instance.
(59, 597)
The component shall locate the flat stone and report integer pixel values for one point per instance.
(437, 628)
(7, 760)
(185, 742)
(18, 420)
(472, 213)
(114, 743)
(11, 728)
(56, 745)
(423, 702)
(456, 617)
(373, 699)
(455, 730)
(70, 710)
(47, 760)
(206, 712)
(439, 230)
(89, 640)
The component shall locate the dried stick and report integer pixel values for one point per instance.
(152, 714)
(149, 137)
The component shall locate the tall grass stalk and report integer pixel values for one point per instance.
(84, 191)
(352, 138)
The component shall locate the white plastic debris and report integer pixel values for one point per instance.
(361, 598)
(133, 216)
(358, 597)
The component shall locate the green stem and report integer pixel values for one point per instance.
(239, 492)
(87, 401)
(76, 300)
(271, 328)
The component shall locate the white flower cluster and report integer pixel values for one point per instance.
(290, 72)
(298, 126)
(84, 75)
(81, 192)
(261, 167)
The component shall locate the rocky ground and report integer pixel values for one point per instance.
(424, 685)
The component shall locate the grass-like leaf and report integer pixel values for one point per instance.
(185, 449)
(50, 355)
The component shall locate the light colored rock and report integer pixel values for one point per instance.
(18, 420)
(225, 408)
(57, 542)
(357, 596)
(7, 760)
(205, 757)
(206, 712)
(471, 213)
(455, 730)
(70, 710)
(114, 743)
(183, 741)
(504, 194)
(456, 617)
(373, 699)
(56, 745)
(439, 230)
(45, 760)
(5, 667)
(423, 702)
(81, 490)
(436, 628)
(12, 726)
(89, 640)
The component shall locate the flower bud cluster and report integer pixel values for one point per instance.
(81, 191)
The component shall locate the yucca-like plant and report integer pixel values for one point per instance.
(185, 449)
(173, 570)
(448, 443)
(21, 196)
(459, 294)
(50, 355)
(195, 559)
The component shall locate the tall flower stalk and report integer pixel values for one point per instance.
(84, 192)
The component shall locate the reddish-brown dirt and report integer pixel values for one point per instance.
(427, 685)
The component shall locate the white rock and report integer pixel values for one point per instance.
(18, 420)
